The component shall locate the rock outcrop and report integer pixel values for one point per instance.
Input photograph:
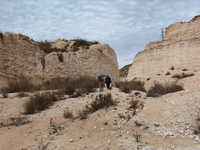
(123, 72)
(97, 59)
(180, 49)
(21, 56)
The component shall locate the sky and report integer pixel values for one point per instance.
(125, 25)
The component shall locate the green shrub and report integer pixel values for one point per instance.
(46, 47)
(39, 102)
(160, 89)
(81, 42)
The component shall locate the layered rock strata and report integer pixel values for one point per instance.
(20, 56)
(180, 49)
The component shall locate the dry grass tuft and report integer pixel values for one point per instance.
(14, 121)
(127, 87)
(39, 102)
(161, 89)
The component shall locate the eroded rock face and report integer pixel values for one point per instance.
(98, 59)
(180, 50)
(22, 56)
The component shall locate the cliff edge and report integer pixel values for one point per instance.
(180, 49)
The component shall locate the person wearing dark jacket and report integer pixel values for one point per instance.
(108, 81)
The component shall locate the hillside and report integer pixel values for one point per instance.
(39, 61)
(165, 122)
(180, 50)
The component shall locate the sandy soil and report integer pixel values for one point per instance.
(165, 123)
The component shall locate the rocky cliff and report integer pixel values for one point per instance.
(180, 49)
(93, 60)
(20, 56)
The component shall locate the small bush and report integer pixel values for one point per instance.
(102, 101)
(160, 89)
(22, 94)
(177, 76)
(14, 121)
(168, 73)
(121, 115)
(1, 35)
(55, 83)
(39, 102)
(75, 48)
(67, 114)
(137, 137)
(22, 84)
(184, 69)
(46, 47)
(183, 75)
(83, 114)
(187, 75)
(83, 43)
(86, 84)
(172, 67)
(132, 85)
(5, 94)
(70, 89)
(133, 105)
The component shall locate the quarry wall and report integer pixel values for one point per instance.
(18, 56)
(180, 49)
(21, 56)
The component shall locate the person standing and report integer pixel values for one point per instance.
(108, 81)
(101, 83)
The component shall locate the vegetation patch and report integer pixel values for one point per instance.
(183, 75)
(39, 102)
(1, 35)
(68, 114)
(14, 121)
(101, 101)
(127, 87)
(46, 47)
(22, 84)
(83, 43)
(159, 89)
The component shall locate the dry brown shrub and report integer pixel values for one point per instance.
(127, 87)
(22, 84)
(159, 89)
(39, 102)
